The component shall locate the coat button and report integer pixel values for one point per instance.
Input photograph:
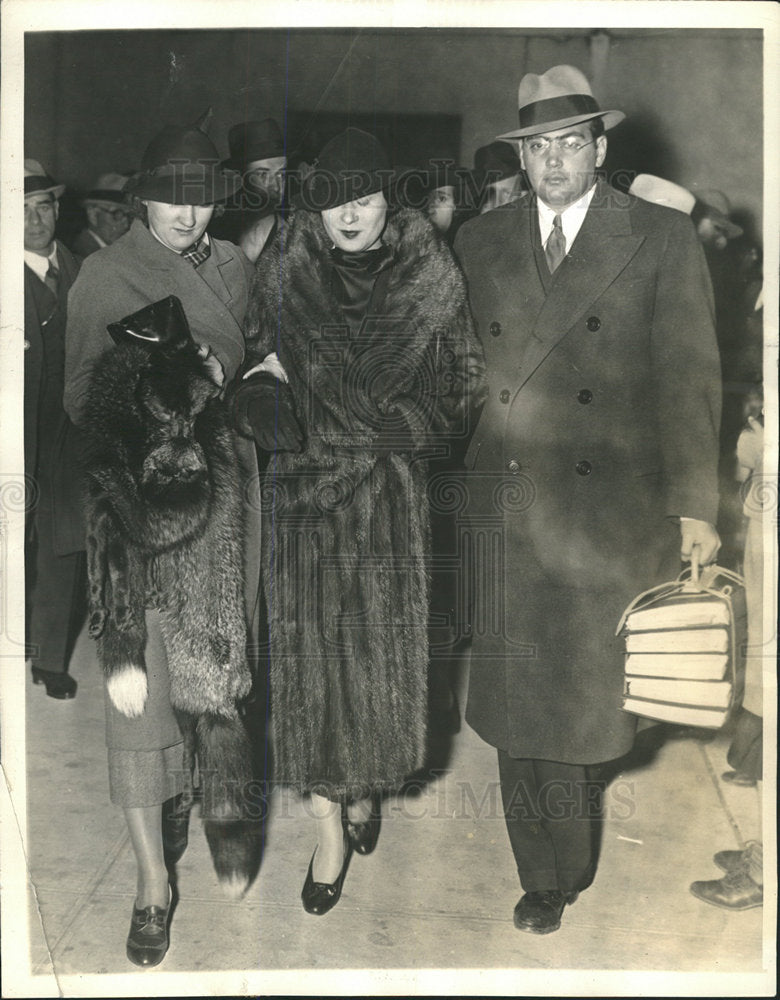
(495, 329)
(593, 323)
(27, 345)
(584, 468)
(514, 466)
(585, 396)
(504, 395)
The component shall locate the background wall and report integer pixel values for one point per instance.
(693, 98)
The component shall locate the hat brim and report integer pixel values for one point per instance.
(175, 187)
(56, 189)
(610, 118)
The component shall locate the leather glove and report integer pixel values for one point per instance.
(264, 410)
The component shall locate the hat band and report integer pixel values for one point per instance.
(37, 183)
(556, 108)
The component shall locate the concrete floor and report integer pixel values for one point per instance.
(429, 912)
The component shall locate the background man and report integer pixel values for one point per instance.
(54, 562)
(497, 169)
(257, 152)
(594, 462)
(108, 216)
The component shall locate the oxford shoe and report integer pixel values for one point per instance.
(540, 912)
(147, 942)
(735, 891)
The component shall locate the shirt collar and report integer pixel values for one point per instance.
(100, 242)
(39, 264)
(571, 217)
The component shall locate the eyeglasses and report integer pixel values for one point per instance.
(117, 214)
(539, 145)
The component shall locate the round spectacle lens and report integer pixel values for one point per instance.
(567, 144)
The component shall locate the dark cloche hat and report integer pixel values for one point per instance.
(181, 167)
(352, 165)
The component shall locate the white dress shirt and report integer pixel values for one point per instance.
(39, 264)
(571, 218)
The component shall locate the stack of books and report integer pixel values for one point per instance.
(678, 659)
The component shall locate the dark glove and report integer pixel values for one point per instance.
(264, 410)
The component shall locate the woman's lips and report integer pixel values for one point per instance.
(349, 234)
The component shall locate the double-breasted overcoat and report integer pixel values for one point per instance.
(599, 432)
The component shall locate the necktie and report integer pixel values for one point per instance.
(52, 280)
(197, 253)
(555, 250)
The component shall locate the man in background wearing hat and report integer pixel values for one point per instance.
(257, 152)
(591, 472)
(54, 534)
(498, 174)
(108, 216)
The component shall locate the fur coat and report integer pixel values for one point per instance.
(346, 520)
(164, 529)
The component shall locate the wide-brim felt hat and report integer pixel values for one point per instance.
(181, 166)
(495, 162)
(252, 141)
(352, 165)
(648, 187)
(555, 99)
(37, 181)
(159, 327)
(108, 188)
(715, 205)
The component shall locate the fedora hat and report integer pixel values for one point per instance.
(555, 99)
(37, 181)
(495, 162)
(352, 165)
(181, 167)
(252, 141)
(108, 188)
(716, 206)
(648, 187)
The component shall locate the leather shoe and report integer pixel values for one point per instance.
(175, 830)
(735, 891)
(147, 941)
(320, 897)
(540, 912)
(58, 685)
(729, 861)
(363, 836)
(738, 778)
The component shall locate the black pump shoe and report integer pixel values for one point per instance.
(363, 836)
(320, 897)
(147, 942)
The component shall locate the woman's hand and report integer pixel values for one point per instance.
(212, 365)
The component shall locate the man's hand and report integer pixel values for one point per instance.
(699, 533)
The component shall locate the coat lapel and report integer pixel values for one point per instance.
(604, 246)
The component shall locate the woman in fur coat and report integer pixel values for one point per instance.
(362, 358)
(166, 253)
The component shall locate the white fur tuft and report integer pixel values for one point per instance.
(128, 690)
(235, 885)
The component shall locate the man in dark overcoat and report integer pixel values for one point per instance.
(591, 471)
(54, 533)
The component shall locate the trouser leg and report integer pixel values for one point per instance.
(548, 821)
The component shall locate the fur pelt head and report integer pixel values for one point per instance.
(150, 415)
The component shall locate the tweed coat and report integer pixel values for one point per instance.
(53, 436)
(346, 521)
(136, 271)
(600, 431)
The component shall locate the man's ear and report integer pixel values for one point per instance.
(601, 150)
(56, 208)
(91, 211)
